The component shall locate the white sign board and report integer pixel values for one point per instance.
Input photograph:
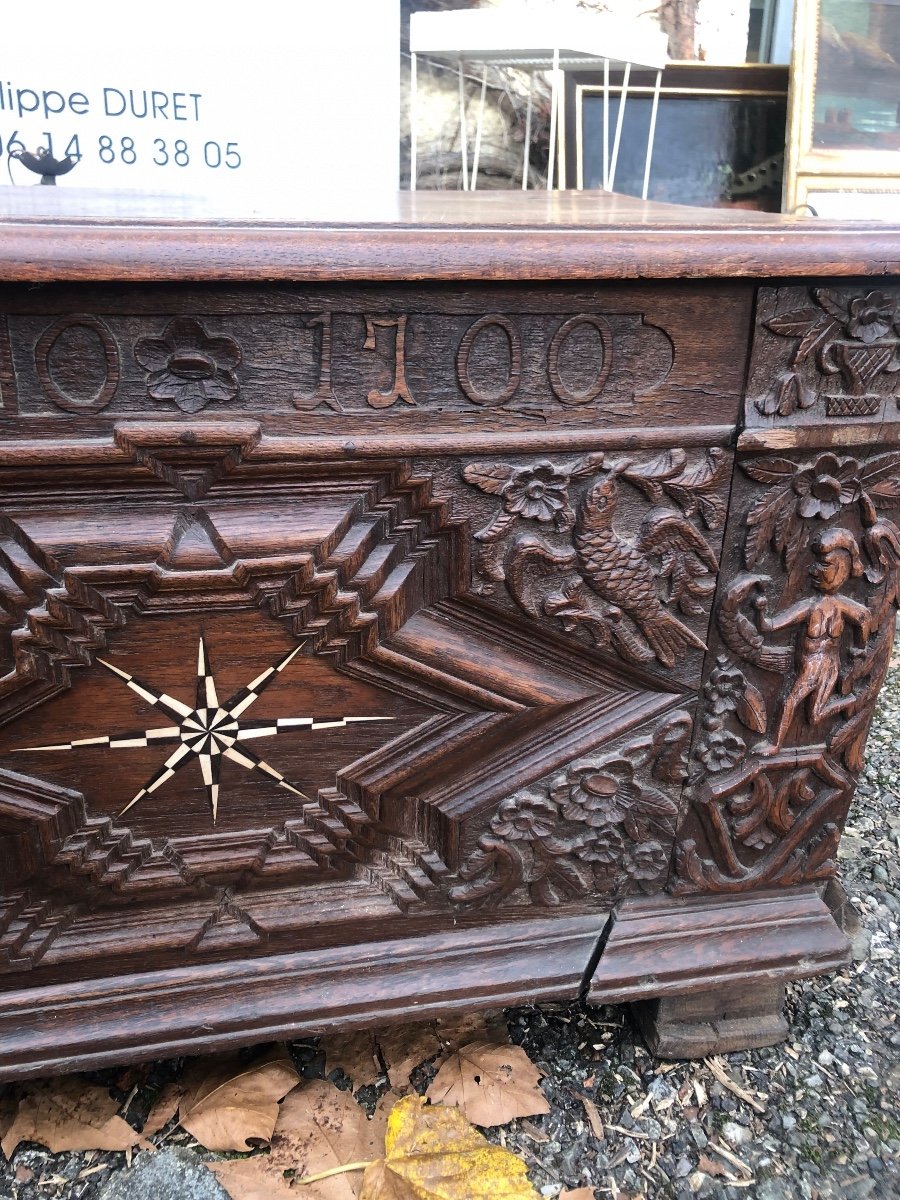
(194, 96)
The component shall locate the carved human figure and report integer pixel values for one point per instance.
(825, 616)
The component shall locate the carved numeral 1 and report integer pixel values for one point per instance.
(514, 339)
(399, 389)
(324, 393)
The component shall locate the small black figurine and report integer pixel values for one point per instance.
(44, 164)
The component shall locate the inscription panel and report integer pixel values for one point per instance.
(561, 355)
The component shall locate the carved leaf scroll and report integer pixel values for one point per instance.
(600, 826)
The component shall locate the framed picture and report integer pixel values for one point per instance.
(844, 117)
(719, 137)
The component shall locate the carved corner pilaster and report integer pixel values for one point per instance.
(801, 638)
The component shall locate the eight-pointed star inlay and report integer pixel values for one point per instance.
(210, 731)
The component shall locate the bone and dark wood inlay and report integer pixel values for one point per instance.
(210, 731)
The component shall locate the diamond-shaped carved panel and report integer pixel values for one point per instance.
(267, 710)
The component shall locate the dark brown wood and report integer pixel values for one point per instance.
(713, 1022)
(371, 649)
(412, 236)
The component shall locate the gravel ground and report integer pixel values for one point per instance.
(830, 1125)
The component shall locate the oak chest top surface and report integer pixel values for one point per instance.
(72, 234)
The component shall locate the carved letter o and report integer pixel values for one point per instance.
(515, 360)
(565, 394)
(42, 352)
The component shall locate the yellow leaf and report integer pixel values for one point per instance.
(319, 1127)
(67, 1114)
(491, 1084)
(432, 1153)
(226, 1102)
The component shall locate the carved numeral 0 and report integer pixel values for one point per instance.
(324, 393)
(44, 348)
(563, 393)
(514, 339)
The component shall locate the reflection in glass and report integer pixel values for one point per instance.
(858, 76)
(705, 151)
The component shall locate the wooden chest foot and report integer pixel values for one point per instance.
(713, 1022)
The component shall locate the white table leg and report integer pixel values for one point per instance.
(651, 135)
(479, 127)
(413, 120)
(619, 119)
(463, 144)
(606, 124)
(526, 151)
(554, 104)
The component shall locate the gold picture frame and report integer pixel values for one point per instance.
(843, 133)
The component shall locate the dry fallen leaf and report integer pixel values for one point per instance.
(491, 1084)
(593, 1115)
(164, 1108)
(319, 1127)
(226, 1102)
(709, 1166)
(356, 1056)
(67, 1114)
(405, 1047)
(432, 1153)
(472, 1027)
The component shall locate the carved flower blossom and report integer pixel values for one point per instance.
(870, 317)
(600, 795)
(602, 845)
(826, 486)
(646, 861)
(721, 749)
(188, 367)
(524, 818)
(724, 688)
(539, 493)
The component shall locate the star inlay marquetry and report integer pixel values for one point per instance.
(210, 731)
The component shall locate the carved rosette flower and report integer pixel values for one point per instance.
(606, 846)
(870, 317)
(646, 862)
(599, 795)
(524, 818)
(188, 367)
(721, 749)
(724, 689)
(826, 486)
(538, 493)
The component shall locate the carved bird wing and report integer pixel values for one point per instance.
(687, 559)
(529, 561)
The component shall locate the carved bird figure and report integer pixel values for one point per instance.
(619, 570)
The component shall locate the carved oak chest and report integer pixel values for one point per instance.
(477, 604)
